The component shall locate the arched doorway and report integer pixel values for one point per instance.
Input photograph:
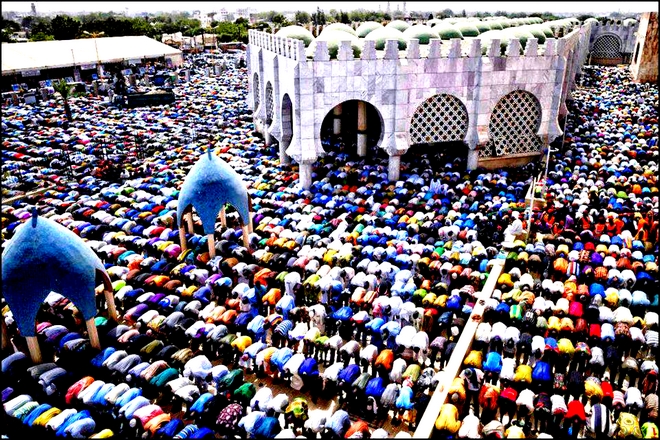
(270, 105)
(287, 127)
(346, 141)
(439, 125)
(513, 125)
(256, 91)
(607, 50)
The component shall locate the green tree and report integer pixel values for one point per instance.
(64, 89)
(343, 18)
(430, 17)
(357, 15)
(303, 17)
(8, 28)
(65, 27)
(280, 20)
(445, 13)
(26, 22)
(319, 17)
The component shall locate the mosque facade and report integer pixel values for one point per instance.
(501, 102)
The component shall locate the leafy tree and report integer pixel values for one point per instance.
(319, 17)
(280, 20)
(430, 17)
(64, 89)
(8, 28)
(41, 36)
(303, 17)
(41, 26)
(357, 15)
(343, 18)
(65, 27)
(445, 13)
(26, 22)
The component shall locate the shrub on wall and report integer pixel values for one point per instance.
(536, 32)
(487, 37)
(468, 29)
(366, 27)
(447, 32)
(482, 26)
(339, 27)
(421, 32)
(296, 32)
(333, 39)
(399, 25)
(380, 36)
(522, 34)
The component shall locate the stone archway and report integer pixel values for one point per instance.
(269, 103)
(287, 127)
(256, 91)
(440, 122)
(514, 124)
(353, 121)
(607, 50)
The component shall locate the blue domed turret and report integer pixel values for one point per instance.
(210, 184)
(42, 257)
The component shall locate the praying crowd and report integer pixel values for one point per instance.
(339, 318)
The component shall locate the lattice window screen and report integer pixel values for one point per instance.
(269, 103)
(513, 125)
(441, 118)
(255, 88)
(607, 46)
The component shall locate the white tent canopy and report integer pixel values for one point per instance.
(20, 57)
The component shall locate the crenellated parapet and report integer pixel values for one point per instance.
(471, 77)
(608, 39)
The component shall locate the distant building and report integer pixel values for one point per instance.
(33, 10)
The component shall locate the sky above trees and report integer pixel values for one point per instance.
(470, 6)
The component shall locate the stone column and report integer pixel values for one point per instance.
(284, 158)
(305, 174)
(472, 159)
(268, 139)
(393, 168)
(336, 127)
(362, 129)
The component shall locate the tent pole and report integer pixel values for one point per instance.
(246, 240)
(110, 302)
(211, 241)
(33, 348)
(182, 238)
(109, 293)
(93, 333)
(191, 227)
(223, 217)
(5, 334)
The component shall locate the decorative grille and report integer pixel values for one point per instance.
(607, 46)
(513, 125)
(269, 103)
(255, 88)
(441, 118)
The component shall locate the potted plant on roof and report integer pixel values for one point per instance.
(65, 90)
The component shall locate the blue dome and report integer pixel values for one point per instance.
(210, 184)
(62, 262)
